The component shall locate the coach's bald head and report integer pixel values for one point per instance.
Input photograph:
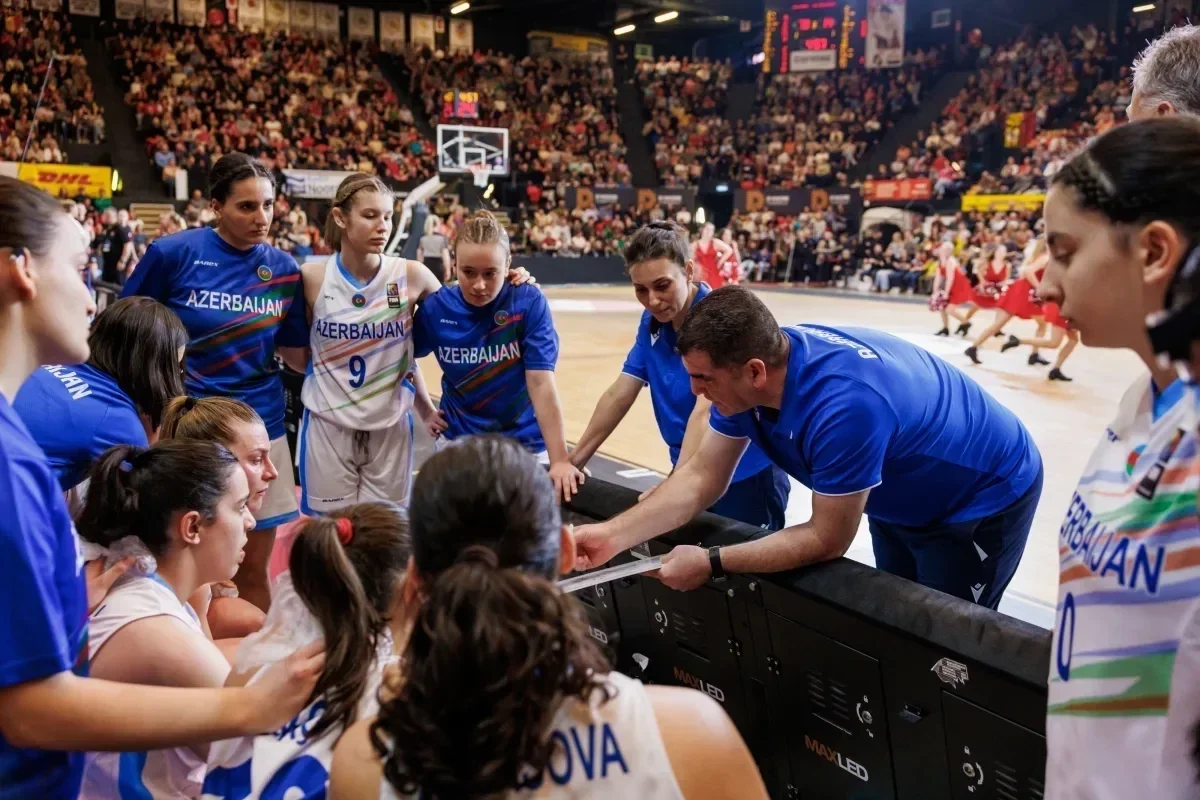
(1166, 76)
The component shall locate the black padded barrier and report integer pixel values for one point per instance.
(845, 681)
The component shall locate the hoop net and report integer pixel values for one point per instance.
(480, 175)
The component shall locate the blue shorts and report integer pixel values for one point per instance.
(759, 500)
(973, 560)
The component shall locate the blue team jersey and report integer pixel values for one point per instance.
(654, 361)
(864, 409)
(234, 303)
(483, 353)
(75, 414)
(43, 630)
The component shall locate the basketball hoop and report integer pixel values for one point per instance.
(479, 173)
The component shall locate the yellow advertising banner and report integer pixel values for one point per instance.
(68, 180)
(1002, 202)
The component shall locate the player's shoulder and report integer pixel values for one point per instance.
(182, 240)
(282, 263)
(527, 296)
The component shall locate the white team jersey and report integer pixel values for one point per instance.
(361, 341)
(161, 774)
(1125, 663)
(287, 764)
(604, 751)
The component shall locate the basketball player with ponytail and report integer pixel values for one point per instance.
(497, 347)
(51, 712)
(501, 681)
(346, 570)
(356, 435)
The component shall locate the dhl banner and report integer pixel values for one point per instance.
(545, 42)
(68, 180)
(1002, 202)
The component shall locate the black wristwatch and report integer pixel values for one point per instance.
(714, 562)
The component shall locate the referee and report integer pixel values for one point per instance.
(948, 478)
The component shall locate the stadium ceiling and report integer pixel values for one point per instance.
(602, 16)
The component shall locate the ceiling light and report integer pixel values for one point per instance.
(624, 29)
(667, 17)
(1146, 7)
(460, 8)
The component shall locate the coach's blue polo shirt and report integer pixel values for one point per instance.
(655, 361)
(866, 410)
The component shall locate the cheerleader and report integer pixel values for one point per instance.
(732, 271)
(951, 288)
(1059, 329)
(993, 276)
(1019, 300)
(710, 256)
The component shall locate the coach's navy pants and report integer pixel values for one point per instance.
(973, 560)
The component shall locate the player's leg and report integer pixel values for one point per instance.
(388, 472)
(278, 508)
(329, 472)
(759, 500)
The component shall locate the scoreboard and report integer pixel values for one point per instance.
(460, 105)
(813, 35)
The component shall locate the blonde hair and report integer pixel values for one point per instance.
(347, 190)
(431, 224)
(209, 419)
(482, 227)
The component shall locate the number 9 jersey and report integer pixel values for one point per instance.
(356, 435)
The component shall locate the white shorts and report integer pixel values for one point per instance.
(340, 467)
(441, 443)
(279, 506)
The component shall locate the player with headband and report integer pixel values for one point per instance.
(51, 713)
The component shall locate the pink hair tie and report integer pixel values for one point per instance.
(345, 530)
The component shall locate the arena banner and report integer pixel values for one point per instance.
(46, 5)
(360, 23)
(278, 15)
(86, 8)
(393, 32)
(216, 13)
(313, 184)
(327, 24)
(423, 34)
(190, 12)
(252, 15)
(130, 9)
(567, 44)
(68, 180)
(885, 33)
(462, 36)
(1019, 129)
(302, 16)
(163, 10)
(796, 201)
(901, 190)
(1002, 202)
(629, 197)
(8, 169)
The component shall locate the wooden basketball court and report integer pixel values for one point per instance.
(597, 325)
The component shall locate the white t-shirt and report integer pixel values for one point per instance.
(1125, 663)
(604, 751)
(161, 774)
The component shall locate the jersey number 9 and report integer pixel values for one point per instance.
(358, 371)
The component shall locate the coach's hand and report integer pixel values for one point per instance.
(567, 479)
(518, 276)
(594, 547)
(436, 423)
(99, 580)
(684, 568)
(284, 688)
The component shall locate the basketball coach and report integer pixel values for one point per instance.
(948, 478)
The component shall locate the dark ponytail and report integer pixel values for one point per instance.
(232, 169)
(346, 568)
(134, 491)
(495, 648)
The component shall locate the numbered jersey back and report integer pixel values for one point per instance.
(361, 340)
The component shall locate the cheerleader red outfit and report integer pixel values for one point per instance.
(1020, 298)
(987, 294)
(1050, 312)
(956, 290)
(706, 260)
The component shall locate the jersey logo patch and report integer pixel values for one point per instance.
(358, 300)
(393, 290)
(264, 273)
(501, 317)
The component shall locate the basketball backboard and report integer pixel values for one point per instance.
(461, 147)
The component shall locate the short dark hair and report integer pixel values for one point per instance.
(136, 340)
(232, 169)
(658, 240)
(731, 325)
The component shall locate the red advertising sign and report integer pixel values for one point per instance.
(900, 190)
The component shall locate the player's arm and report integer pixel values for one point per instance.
(612, 407)
(686, 492)
(292, 337)
(151, 278)
(697, 424)
(421, 282)
(356, 772)
(827, 535)
(543, 392)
